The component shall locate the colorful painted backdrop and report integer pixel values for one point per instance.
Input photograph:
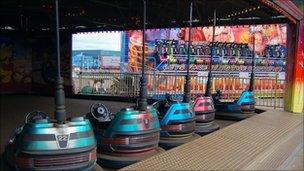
(265, 35)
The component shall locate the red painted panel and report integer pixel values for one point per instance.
(298, 76)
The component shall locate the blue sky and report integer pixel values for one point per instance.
(97, 41)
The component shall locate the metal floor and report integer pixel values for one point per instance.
(269, 141)
(13, 109)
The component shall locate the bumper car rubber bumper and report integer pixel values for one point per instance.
(49, 162)
(206, 128)
(168, 143)
(118, 162)
(233, 116)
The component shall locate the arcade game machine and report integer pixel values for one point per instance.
(177, 119)
(130, 135)
(244, 106)
(45, 144)
(203, 106)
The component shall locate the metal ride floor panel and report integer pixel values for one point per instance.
(266, 141)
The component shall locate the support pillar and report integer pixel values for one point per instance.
(294, 91)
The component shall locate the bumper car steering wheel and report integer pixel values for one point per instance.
(35, 115)
(100, 112)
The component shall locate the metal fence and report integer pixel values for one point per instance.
(269, 89)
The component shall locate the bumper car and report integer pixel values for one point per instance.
(177, 122)
(204, 109)
(60, 144)
(130, 135)
(244, 106)
(126, 137)
(204, 115)
(42, 144)
(239, 109)
(203, 104)
(87, 90)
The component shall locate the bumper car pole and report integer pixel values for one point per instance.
(203, 105)
(251, 86)
(60, 112)
(175, 131)
(186, 98)
(209, 81)
(142, 104)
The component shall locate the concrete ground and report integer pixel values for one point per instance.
(14, 108)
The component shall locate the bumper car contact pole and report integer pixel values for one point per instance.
(142, 104)
(251, 86)
(209, 81)
(60, 112)
(186, 98)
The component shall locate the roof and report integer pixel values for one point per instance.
(80, 15)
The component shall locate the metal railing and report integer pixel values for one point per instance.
(269, 89)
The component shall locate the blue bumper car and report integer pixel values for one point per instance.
(177, 122)
(239, 109)
(42, 144)
(126, 137)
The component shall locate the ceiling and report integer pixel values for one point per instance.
(84, 15)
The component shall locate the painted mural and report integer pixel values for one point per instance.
(233, 48)
(29, 64)
(232, 54)
(16, 67)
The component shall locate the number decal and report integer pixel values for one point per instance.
(63, 137)
(62, 140)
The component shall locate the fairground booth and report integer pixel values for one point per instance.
(117, 84)
(101, 48)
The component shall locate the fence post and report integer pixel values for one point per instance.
(81, 73)
(275, 91)
(229, 86)
(154, 84)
